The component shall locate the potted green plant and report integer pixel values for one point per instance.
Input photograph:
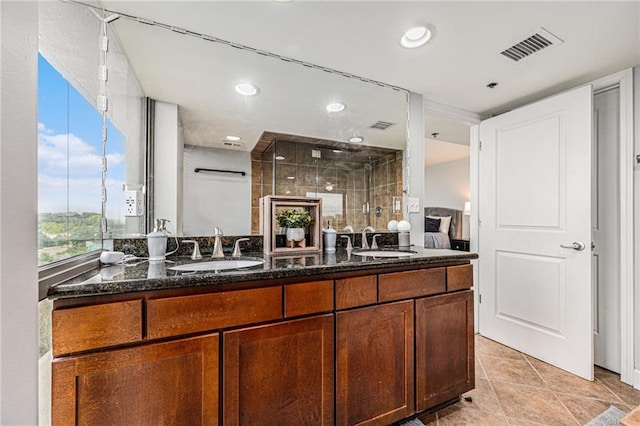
(294, 221)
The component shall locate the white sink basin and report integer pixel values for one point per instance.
(217, 265)
(383, 253)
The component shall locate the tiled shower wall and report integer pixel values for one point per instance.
(353, 176)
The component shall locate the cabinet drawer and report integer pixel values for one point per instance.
(459, 277)
(175, 316)
(308, 298)
(97, 326)
(406, 285)
(359, 291)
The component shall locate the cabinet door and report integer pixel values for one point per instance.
(444, 348)
(375, 381)
(280, 374)
(162, 383)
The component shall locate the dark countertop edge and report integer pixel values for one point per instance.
(202, 280)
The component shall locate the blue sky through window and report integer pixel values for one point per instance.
(70, 150)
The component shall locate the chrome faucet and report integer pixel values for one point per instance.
(196, 249)
(217, 244)
(236, 247)
(374, 243)
(365, 243)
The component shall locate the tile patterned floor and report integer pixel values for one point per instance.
(516, 389)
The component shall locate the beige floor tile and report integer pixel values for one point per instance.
(484, 346)
(520, 422)
(479, 370)
(458, 414)
(585, 409)
(483, 398)
(627, 393)
(532, 404)
(511, 370)
(561, 381)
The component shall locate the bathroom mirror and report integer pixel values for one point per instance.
(177, 63)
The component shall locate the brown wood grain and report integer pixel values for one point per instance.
(375, 364)
(97, 326)
(357, 291)
(162, 383)
(405, 285)
(632, 419)
(308, 298)
(445, 366)
(280, 374)
(459, 277)
(174, 316)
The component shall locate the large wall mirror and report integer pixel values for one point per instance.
(179, 64)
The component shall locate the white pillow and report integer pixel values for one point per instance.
(445, 222)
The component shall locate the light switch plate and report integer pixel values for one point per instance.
(413, 206)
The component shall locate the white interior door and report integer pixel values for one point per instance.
(606, 229)
(535, 230)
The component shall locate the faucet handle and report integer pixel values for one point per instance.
(217, 232)
(374, 243)
(349, 245)
(196, 249)
(236, 247)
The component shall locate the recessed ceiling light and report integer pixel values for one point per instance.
(247, 89)
(337, 151)
(279, 157)
(291, 177)
(356, 139)
(416, 36)
(232, 138)
(336, 107)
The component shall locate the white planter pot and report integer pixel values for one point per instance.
(295, 234)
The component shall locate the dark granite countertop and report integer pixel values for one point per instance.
(141, 275)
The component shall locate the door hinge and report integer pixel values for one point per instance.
(480, 146)
(479, 298)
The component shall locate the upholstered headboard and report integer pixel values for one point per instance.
(455, 229)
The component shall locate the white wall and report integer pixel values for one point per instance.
(636, 222)
(18, 213)
(207, 196)
(167, 169)
(447, 184)
(413, 175)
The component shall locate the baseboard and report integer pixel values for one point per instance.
(636, 379)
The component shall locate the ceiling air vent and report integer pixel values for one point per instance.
(381, 125)
(534, 43)
(233, 144)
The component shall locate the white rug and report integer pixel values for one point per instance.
(412, 422)
(610, 417)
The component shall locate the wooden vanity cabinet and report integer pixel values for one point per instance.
(280, 374)
(368, 349)
(445, 365)
(162, 383)
(375, 366)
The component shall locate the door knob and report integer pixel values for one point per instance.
(576, 245)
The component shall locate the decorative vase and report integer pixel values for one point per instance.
(295, 237)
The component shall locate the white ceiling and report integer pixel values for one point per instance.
(361, 38)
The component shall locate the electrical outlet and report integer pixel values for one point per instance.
(133, 203)
(413, 206)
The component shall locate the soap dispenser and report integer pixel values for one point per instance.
(330, 235)
(157, 241)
